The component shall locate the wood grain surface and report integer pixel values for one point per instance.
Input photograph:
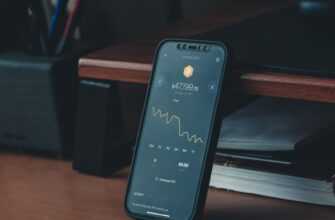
(33, 188)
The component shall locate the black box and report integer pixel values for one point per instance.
(37, 97)
(101, 145)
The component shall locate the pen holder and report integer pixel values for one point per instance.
(37, 103)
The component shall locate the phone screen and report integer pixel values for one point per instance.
(175, 132)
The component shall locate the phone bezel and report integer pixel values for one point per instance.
(213, 134)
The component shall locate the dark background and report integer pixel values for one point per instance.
(103, 22)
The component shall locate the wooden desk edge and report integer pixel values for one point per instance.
(121, 71)
(290, 86)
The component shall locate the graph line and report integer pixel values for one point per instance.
(156, 112)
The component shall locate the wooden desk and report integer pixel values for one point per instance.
(34, 188)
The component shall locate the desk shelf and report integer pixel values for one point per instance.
(132, 63)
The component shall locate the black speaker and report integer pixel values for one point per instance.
(100, 148)
(37, 103)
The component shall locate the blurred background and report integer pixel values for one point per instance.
(103, 22)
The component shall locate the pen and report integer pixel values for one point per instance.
(68, 26)
(57, 24)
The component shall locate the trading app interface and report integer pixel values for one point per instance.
(175, 133)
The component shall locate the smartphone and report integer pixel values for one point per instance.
(178, 133)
